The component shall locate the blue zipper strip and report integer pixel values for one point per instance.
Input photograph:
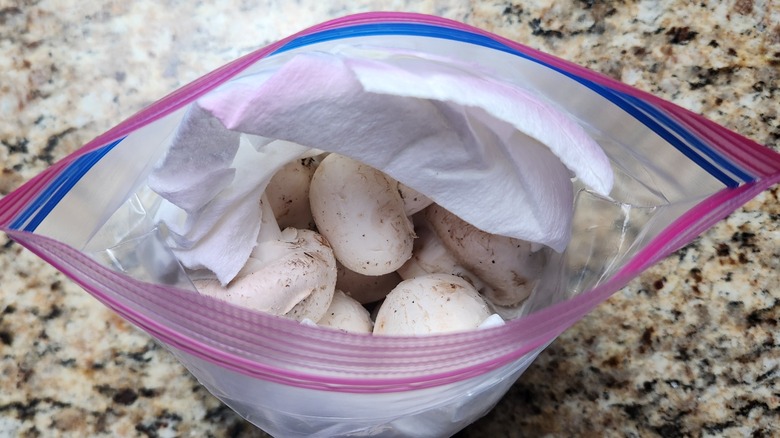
(687, 143)
(44, 203)
(690, 138)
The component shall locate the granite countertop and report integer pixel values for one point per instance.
(688, 348)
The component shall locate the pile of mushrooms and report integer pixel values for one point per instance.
(338, 238)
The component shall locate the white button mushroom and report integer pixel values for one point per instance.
(508, 266)
(430, 256)
(365, 288)
(436, 303)
(414, 201)
(290, 273)
(346, 314)
(360, 212)
(288, 192)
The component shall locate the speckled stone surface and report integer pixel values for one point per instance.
(690, 348)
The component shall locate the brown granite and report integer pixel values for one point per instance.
(688, 349)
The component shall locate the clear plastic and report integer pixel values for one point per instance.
(90, 215)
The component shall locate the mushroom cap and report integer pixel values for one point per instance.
(359, 210)
(346, 314)
(435, 303)
(430, 256)
(288, 193)
(414, 201)
(509, 266)
(302, 278)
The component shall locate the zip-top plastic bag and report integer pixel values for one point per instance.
(93, 216)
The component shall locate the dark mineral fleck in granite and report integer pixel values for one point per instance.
(690, 348)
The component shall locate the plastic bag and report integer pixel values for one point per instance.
(89, 216)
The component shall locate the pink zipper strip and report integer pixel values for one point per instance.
(193, 327)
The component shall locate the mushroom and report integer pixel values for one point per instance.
(414, 201)
(346, 314)
(365, 288)
(290, 273)
(360, 212)
(430, 256)
(435, 303)
(509, 267)
(288, 192)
